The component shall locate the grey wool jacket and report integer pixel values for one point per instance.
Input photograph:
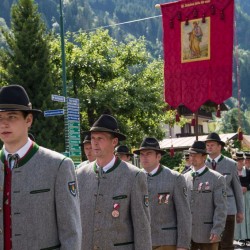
(114, 208)
(227, 167)
(207, 195)
(44, 202)
(169, 208)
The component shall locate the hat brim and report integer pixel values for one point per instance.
(137, 152)
(124, 153)
(222, 143)
(197, 151)
(33, 111)
(120, 136)
(84, 142)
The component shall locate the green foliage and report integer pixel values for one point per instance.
(26, 62)
(230, 121)
(175, 162)
(115, 78)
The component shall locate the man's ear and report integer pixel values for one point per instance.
(29, 120)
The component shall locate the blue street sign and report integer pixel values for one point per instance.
(58, 98)
(72, 106)
(73, 112)
(73, 101)
(73, 118)
(53, 112)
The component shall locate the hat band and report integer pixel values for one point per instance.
(103, 129)
(15, 106)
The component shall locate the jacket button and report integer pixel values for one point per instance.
(96, 247)
(1, 231)
(1, 209)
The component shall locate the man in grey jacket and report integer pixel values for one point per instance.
(227, 167)
(207, 195)
(169, 206)
(38, 192)
(113, 195)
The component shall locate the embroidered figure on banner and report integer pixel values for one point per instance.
(195, 40)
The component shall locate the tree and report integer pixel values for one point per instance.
(115, 78)
(27, 63)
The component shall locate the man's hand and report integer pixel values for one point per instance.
(214, 238)
(244, 189)
(239, 217)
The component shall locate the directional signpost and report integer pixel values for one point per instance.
(72, 125)
(74, 129)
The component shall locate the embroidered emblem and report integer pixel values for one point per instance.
(72, 187)
(115, 212)
(146, 200)
(163, 198)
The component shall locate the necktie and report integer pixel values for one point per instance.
(195, 174)
(100, 172)
(213, 164)
(12, 160)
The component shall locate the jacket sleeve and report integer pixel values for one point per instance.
(220, 206)
(237, 189)
(68, 207)
(140, 213)
(183, 213)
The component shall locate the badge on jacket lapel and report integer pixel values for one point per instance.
(146, 200)
(72, 187)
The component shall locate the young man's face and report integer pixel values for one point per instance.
(88, 151)
(123, 157)
(103, 144)
(240, 164)
(149, 159)
(14, 128)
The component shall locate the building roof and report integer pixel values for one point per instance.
(186, 142)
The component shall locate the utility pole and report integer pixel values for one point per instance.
(64, 78)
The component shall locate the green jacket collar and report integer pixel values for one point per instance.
(33, 149)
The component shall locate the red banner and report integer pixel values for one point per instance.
(198, 47)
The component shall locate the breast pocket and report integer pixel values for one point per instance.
(39, 191)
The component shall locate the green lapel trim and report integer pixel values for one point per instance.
(158, 171)
(202, 173)
(2, 156)
(33, 149)
(220, 159)
(116, 164)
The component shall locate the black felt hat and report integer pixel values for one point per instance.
(239, 156)
(107, 123)
(87, 139)
(15, 98)
(198, 147)
(214, 137)
(123, 149)
(150, 143)
(247, 155)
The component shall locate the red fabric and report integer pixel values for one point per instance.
(7, 209)
(195, 82)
